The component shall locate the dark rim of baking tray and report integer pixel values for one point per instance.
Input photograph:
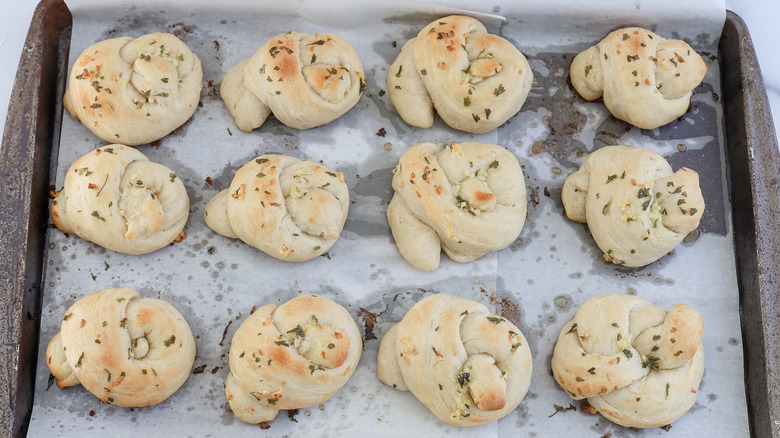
(31, 142)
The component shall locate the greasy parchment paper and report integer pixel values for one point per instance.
(537, 283)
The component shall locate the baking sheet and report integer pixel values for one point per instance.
(216, 281)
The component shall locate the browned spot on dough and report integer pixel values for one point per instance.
(282, 358)
(144, 316)
(288, 66)
(635, 43)
(482, 196)
(491, 400)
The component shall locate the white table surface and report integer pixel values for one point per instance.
(762, 18)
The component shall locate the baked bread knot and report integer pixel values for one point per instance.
(637, 364)
(636, 208)
(290, 209)
(475, 80)
(646, 80)
(467, 199)
(126, 350)
(467, 366)
(134, 90)
(304, 80)
(115, 197)
(292, 356)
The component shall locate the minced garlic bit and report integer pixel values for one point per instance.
(296, 192)
(284, 250)
(626, 215)
(624, 341)
(455, 150)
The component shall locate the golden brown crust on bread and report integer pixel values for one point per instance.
(134, 90)
(476, 81)
(126, 350)
(290, 209)
(467, 199)
(646, 80)
(467, 366)
(291, 356)
(304, 80)
(637, 364)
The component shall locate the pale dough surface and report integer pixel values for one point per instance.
(115, 197)
(636, 207)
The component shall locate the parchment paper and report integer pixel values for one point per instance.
(538, 282)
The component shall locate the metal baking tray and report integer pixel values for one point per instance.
(31, 145)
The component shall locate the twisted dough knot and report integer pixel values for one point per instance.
(304, 80)
(126, 350)
(292, 356)
(290, 209)
(467, 366)
(475, 80)
(638, 365)
(134, 90)
(114, 196)
(636, 208)
(646, 80)
(468, 199)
